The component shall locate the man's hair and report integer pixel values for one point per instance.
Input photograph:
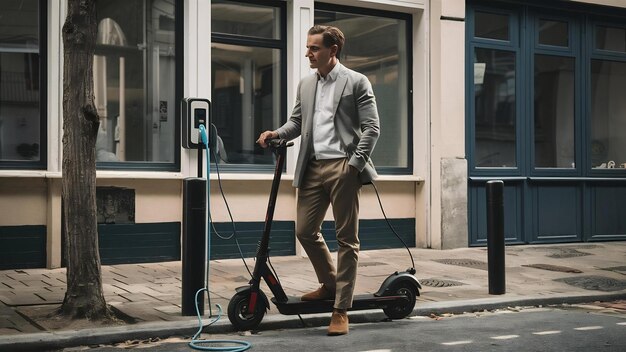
(330, 36)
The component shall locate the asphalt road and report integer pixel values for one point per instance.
(570, 328)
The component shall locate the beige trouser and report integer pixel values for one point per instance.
(331, 182)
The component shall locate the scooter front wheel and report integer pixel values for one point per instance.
(239, 314)
(402, 310)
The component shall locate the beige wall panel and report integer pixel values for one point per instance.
(155, 200)
(453, 8)
(452, 97)
(53, 229)
(447, 52)
(248, 200)
(23, 201)
(435, 125)
(398, 200)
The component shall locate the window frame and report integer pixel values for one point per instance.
(42, 163)
(581, 47)
(573, 50)
(597, 54)
(281, 44)
(573, 37)
(592, 25)
(389, 170)
(514, 21)
(512, 45)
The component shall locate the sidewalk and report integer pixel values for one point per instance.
(453, 281)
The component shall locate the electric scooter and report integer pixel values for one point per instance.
(396, 295)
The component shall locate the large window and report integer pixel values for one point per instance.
(136, 85)
(22, 84)
(248, 63)
(378, 46)
(608, 105)
(495, 101)
(554, 112)
(554, 91)
(495, 63)
(546, 93)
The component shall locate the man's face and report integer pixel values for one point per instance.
(320, 57)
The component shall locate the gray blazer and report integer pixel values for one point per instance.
(356, 122)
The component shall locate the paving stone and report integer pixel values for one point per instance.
(26, 298)
(618, 269)
(137, 297)
(50, 297)
(551, 267)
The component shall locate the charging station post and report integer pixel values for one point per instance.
(194, 209)
(195, 112)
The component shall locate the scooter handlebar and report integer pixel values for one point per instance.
(278, 143)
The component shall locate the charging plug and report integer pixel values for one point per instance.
(203, 135)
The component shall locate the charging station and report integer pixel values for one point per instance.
(195, 112)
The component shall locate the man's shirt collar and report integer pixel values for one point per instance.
(332, 75)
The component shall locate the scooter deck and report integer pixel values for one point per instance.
(295, 305)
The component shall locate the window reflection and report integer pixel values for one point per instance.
(20, 135)
(491, 25)
(386, 66)
(554, 112)
(247, 70)
(134, 81)
(245, 19)
(553, 33)
(246, 100)
(608, 108)
(495, 118)
(611, 38)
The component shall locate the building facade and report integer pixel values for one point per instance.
(524, 91)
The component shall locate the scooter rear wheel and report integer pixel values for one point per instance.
(402, 310)
(239, 315)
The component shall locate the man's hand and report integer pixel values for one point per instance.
(265, 136)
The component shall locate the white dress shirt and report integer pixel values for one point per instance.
(326, 143)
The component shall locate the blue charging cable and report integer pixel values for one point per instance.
(239, 345)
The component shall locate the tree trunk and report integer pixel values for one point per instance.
(84, 297)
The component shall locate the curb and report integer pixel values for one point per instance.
(109, 335)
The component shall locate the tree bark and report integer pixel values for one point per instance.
(84, 297)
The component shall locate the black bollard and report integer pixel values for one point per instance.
(194, 219)
(495, 237)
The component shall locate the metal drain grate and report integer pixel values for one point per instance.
(568, 253)
(440, 283)
(470, 263)
(596, 283)
(551, 267)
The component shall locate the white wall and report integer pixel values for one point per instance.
(448, 177)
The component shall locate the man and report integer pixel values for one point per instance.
(336, 115)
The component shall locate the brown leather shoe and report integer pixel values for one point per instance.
(320, 294)
(338, 324)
